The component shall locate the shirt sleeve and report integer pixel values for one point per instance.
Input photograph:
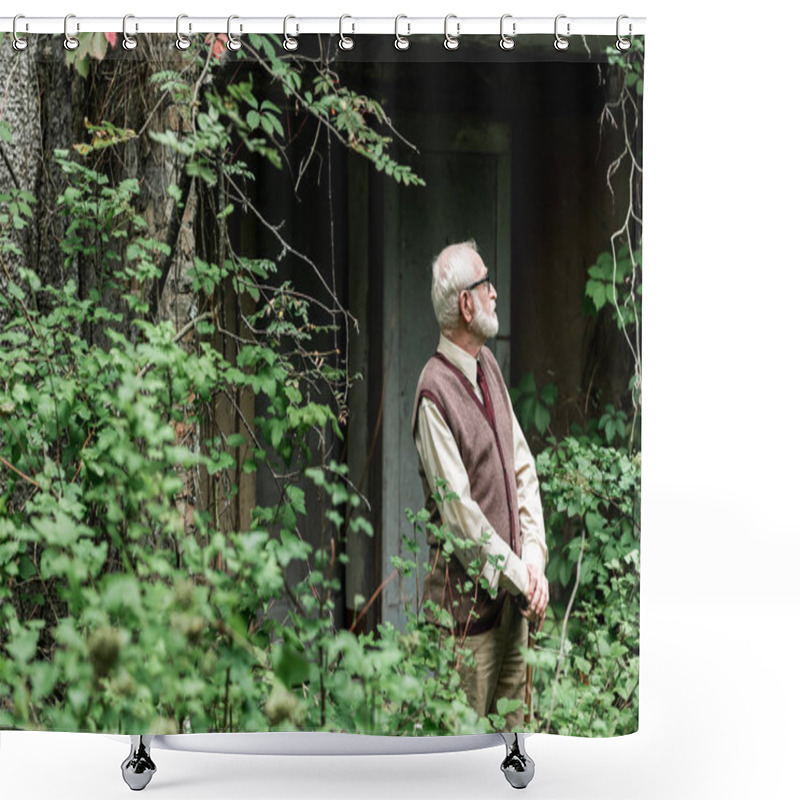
(440, 458)
(531, 518)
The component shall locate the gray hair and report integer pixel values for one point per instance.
(453, 270)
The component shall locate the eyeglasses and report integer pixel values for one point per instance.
(485, 279)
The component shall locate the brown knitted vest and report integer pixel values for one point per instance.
(488, 457)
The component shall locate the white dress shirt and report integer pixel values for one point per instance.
(440, 458)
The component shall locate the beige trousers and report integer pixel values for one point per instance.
(499, 670)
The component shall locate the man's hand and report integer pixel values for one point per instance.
(538, 596)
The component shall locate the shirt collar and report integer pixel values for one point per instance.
(461, 359)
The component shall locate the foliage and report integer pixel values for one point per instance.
(450, 545)
(586, 660)
(532, 407)
(94, 46)
(352, 118)
(127, 602)
(613, 282)
(128, 599)
(114, 619)
(613, 423)
(630, 64)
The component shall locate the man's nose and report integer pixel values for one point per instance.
(492, 292)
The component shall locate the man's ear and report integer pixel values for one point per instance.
(467, 306)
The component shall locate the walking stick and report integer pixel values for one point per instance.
(529, 677)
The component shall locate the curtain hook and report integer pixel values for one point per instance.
(289, 42)
(623, 43)
(233, 43)
(507, 42)
(346, 42)
(451, 42)
(19, 44)
(70, 42)
(183, 42)
(401, 42)
(561, 43)
(128, 42)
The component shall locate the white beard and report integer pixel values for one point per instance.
(484, 324)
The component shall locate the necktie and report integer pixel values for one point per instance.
(487, 400)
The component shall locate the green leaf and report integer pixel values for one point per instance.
(605, 265)
(599, 296)
(527, 408)
(289, 664)
(549, 394)
(174, 192)
(122, 592)
(617, 650)
(22, 645)
(81, 65)
(297, 498)
(527, 385)
(98, 45)
(541, 417)
(594, 522)
(506, 706)
(582, 664)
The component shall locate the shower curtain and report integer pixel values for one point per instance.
(215, 308)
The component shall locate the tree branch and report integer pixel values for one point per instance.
(21, 474)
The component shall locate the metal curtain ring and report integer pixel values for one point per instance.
(19, 44)
(507, 42)
(346, 42)
(451, 42)
(183, 42)
(128, 42)
(623, 43)
(70, 42)
(400, 42)
(561, 43)
(234, 43)
(289, 43)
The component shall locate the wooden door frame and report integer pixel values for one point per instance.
(451, 133)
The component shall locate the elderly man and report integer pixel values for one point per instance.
(467, 435)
